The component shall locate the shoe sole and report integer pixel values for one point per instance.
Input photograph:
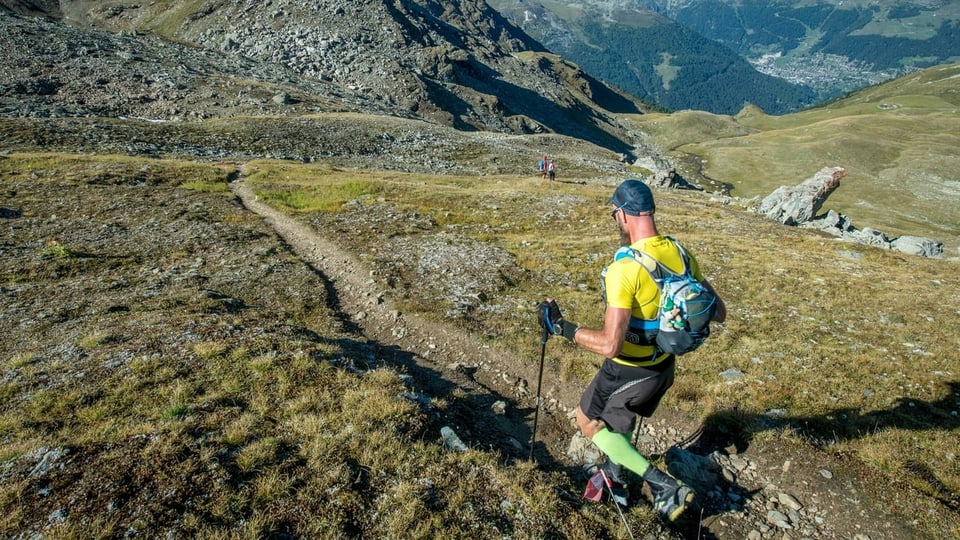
(687, 499)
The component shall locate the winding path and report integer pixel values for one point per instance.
(443, 357)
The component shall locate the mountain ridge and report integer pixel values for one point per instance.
(452, 73)
(653, 57)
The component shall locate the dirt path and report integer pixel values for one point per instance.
(497, 412)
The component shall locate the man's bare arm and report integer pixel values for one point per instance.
(606, 341)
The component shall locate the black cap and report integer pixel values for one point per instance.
(634, 197)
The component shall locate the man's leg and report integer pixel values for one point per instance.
(616, 446)
(670, 497)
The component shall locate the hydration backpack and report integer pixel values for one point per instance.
(686, 307)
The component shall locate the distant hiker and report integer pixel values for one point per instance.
(542, 166)
(552, 170)
(635, 375)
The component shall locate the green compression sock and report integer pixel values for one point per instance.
(618, 448)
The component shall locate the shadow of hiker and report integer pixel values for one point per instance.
(724, 434)
(717, 489)
(700, 460)
(848, 423)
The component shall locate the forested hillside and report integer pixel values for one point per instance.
(834, 46)
(716, 55)
(677, 69)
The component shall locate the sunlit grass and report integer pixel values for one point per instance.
(207, 187)
(20, 360)
(308, 188)
(897, 141)
(258, 454)
(799, 307)
(54, 249)
(210, 349)
(840, 337)
(91, 341)
(178, 401)
(110, 169)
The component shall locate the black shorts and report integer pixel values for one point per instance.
(618, 393)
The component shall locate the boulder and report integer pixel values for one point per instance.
(582, 451)
(663, 178)
(669, 179)
(870, 237)
(832, 222)
(918, 245)
(799, 204)
(840, 225)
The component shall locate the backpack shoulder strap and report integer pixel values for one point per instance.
(683, 256)
(658, 271)
(651, 265)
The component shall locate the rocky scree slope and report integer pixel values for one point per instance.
(53, 70)
(459, 64)
(87, 90)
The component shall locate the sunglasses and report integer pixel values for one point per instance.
(613, 214)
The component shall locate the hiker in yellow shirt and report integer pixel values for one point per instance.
(634, 375)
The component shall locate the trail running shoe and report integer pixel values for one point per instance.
(618, 492)
(670, 496)
(614, 472)
(618, 487)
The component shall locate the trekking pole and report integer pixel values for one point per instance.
(609, 484)
(536, 410)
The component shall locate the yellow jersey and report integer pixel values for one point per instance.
(628, 285)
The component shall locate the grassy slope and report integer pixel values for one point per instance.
(186, 374)
(899, 143)
(822, 330)
(859, 356)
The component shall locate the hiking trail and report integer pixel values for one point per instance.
(435, 349)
